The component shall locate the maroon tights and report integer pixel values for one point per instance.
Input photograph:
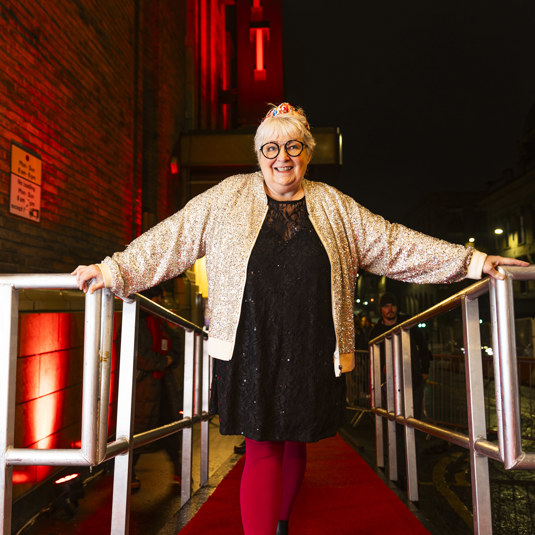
(271, 478)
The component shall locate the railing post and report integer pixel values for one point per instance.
(496, 364)
(390, 405)
(120, 517)
(476, 417)
(106, 344)
(376, 401)
(197, 384)
(408, 404)
(507, 369)
(187, 433)
(9, 317)
(205, 424)
(91, 368)
(198, 373)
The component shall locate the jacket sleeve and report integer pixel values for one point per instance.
(393, 250)
(163, 252)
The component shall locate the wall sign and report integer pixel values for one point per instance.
(25, 192)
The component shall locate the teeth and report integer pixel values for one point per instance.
(283, 168)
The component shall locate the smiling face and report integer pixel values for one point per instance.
(283, 174)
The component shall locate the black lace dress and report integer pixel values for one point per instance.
(280, 383)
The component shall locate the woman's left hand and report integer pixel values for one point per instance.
(89, 278)
(491, 262)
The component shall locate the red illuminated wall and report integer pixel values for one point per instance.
(259, 44)
(73, 89)
(97, 90)
(49, 387)
(66, 93)
(209, 49)
(162, 92)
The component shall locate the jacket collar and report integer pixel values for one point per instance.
(258, 187)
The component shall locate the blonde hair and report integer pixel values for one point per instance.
(292, 124)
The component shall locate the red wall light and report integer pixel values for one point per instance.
(259, 58)
(173, 166)
(259, 34)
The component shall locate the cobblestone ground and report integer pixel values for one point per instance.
(445, 490)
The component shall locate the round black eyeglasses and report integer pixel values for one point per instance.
(293, 148)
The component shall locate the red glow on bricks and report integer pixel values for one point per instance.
(49, 384)
(52, 356)
(21, 476)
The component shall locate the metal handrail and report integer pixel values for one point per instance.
(166, 314)
(399, 399)
(95, 448)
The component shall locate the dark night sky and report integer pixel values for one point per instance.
(430, 95)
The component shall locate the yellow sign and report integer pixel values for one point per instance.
(25, 165)
(25, 192)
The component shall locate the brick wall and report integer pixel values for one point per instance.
(72, 80)
(99, 90)
(49, 387)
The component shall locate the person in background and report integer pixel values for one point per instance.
(362, 332)
(158, 395)
(420, 359)
(420, 354)
(282, 257)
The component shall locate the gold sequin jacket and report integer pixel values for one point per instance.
(223, 223)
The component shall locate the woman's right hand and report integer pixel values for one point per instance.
(89, 278)
(492, 262)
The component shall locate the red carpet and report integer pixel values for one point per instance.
(341, 494)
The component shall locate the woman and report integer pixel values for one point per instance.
(282, 255)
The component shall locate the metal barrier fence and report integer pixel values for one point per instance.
(445, 393)
(507, 408)
(358, 396)
(95, 447)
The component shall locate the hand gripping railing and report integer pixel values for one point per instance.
(399, 400)
(94, 448)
